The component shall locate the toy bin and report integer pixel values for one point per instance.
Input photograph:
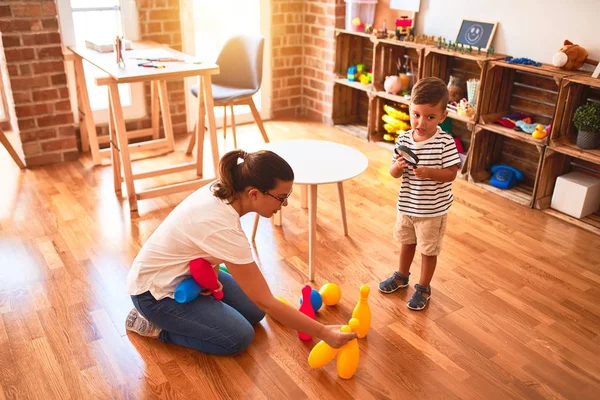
(364, 10)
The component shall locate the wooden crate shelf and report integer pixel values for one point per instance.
(516, 88)
(443, 63)
(575, 90)
(393, 97)
(490, 148)
(351, 108)
(554, 165)
(354, 84)
(504, 131)
(386, 54)
(377, 124)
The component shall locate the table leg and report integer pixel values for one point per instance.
(154, 106)
(166, 113)
(255, 226)
(200, 131)
(312, 229)
(121, 133)
(304, 196)
(340, 187)
(114, 148)
(212, 126)
(86, 110)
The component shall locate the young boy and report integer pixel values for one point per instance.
(426, 190)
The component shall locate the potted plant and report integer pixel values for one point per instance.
(587, 121)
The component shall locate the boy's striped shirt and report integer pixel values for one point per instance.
(424, 197)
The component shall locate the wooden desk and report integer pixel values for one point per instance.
(119, 145)
(317, 162)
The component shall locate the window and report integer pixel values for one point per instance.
(207, 24)
(100, 21)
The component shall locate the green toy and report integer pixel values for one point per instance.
(223, 268)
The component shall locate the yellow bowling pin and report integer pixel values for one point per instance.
(321, 355)
(362, 312)
(349, 354)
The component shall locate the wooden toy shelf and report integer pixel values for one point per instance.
(548, 94)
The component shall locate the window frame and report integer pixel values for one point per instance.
(130, 29)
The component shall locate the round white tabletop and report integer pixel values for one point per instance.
(317, 162)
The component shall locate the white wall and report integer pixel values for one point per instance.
(527, 28)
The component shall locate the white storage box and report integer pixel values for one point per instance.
(363, 9)
(576, 194)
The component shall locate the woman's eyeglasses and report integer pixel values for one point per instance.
(281, 199)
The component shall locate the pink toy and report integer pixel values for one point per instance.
(307, 309)
(205, 276)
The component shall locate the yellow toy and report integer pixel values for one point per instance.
(348, 355)
(364, 79)
(396, 114)
(331, 294)
(397, 124)
(539, 132)
(281, 299)
(362, 312)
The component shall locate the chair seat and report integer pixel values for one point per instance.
(225, 93)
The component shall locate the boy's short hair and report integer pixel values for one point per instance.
(432, 91)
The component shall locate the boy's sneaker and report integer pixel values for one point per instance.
(140, 325)
(393, 283)
(420, 298)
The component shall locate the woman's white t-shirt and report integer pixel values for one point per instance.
(201, 226)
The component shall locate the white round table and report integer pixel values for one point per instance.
(317, 162)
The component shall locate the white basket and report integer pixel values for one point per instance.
(363, 9)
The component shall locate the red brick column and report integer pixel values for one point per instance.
(35, 65)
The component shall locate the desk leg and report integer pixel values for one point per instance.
(154, 105)
(312, 230)
(255, 226)
(166, 113)
(114, 148)
(212, 126)
(304, 196)
(86, 110)
(121, 133)
(200, 131)
(340, 187)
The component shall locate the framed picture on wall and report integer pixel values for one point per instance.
(476, 33)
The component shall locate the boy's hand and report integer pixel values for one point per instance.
(423, 172)
(400, 162)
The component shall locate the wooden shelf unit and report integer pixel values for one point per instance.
(548, 94)
(490, 147)
(516, 88)
(576, 90)
(555, 164)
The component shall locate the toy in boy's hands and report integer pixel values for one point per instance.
(408, 155)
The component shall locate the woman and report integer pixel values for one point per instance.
(207, 225)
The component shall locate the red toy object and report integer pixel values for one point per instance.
(306, 308)
(205, 276)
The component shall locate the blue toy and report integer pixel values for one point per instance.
(352, 73)
(523, 60)
(187, 290)
(525, 127)
(505, 176)
(316, 301)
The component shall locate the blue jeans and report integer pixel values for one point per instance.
(205, 324)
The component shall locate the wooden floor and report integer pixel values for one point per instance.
(515, 312)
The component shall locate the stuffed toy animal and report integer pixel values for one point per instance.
(571, 57)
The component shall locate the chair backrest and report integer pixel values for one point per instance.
(240, 62)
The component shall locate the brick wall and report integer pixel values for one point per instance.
(303, 57)
(287, 58)
(36, 73)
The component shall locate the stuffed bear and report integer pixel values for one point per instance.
(570, 56)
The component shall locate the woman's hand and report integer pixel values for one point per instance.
(207, 292)
(332, 335)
